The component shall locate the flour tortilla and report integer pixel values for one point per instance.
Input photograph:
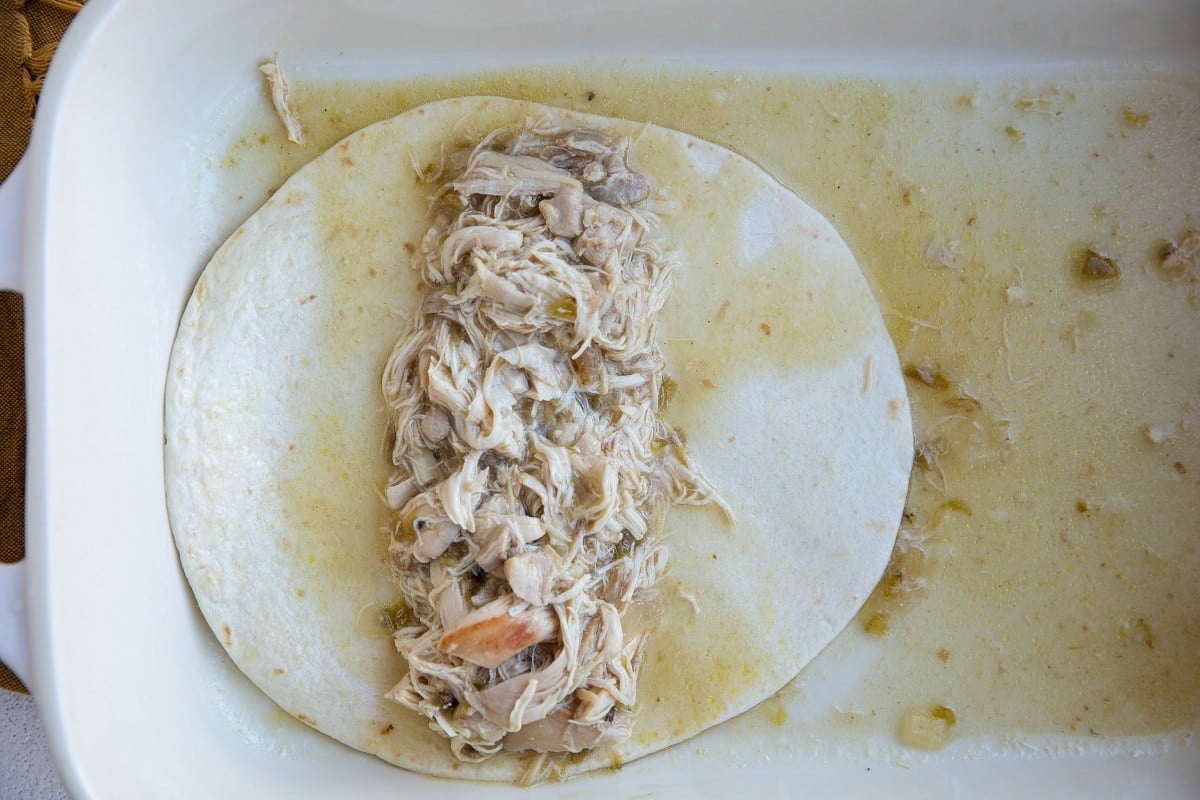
(277, 442)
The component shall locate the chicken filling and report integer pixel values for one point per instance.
(533, 467)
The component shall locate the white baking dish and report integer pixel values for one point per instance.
(122, 213)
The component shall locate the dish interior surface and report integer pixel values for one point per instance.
(1047, 589)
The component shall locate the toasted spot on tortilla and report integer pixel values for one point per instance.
(228, 636)
(294, 197)
(308, 299)
(347, 161)
(387, 729)
(277, 671)
(307, 720)
(893, 408)
(766, 329)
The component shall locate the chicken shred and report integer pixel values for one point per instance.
(281, 98)
(533, 468)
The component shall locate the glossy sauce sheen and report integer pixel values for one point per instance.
(1052, 586)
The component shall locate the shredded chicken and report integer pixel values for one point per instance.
(533, 466)
(281, 98)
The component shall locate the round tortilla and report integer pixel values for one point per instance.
(790, 395)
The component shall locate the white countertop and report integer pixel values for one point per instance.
(26, 771)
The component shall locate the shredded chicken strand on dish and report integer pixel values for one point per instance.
(533, 464)
(281, 99)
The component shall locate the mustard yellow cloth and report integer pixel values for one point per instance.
(29, 33)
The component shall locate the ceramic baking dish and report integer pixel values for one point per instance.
(122, 211)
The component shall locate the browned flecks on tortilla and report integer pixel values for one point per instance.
(533, 466)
